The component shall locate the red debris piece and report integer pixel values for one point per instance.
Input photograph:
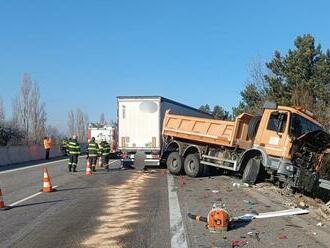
(182, 180)
(238, 243)
(282, 236)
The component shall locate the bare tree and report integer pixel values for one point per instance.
(78, 124)
(102, 119)
(2, 113)
(257, 71)
(15, 112)
(28, 113)
(81, 125)
(71, 123)
(37, 115)
(24, 105)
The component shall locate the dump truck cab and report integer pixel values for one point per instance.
(291, 142)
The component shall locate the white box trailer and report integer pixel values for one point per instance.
(140, 121)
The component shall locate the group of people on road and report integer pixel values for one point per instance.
(101, 150)
(71, 148)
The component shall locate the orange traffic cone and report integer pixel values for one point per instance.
(47, 184)
(88, 169)
(2, 203)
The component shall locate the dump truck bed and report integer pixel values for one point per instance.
(209, 131)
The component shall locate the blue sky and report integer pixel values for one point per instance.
(85, 53)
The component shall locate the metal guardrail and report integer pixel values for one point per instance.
(325, 184)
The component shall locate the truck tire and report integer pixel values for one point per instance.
(251, 171)
(253, 126)
(174, 163)
(192, 166)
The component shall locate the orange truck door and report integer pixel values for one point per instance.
(272, 134)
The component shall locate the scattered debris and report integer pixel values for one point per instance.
(249, 202)
(238, 243)
(254, 235)
(182, 180)
(293, 225)
(294, 200)
(241, 185)
(303, 205)
(287, 212)
(323, 212)
(282, 236)
(319, 224)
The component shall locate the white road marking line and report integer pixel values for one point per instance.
(31, 166)
(28, 198)
(178, 236)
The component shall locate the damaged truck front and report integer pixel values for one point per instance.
(285, 145)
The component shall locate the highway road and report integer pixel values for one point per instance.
(131, 208)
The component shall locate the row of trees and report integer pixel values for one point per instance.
(28, 117)
(218, 112)
(28, 121)
(301, 77)
(78, 124)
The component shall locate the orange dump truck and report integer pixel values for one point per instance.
(285, 144)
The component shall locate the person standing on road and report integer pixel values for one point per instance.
(92, 153)
(64, 146)
(105, 153)
(47, 146)
(73, 152)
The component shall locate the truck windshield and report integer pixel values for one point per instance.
(300, 125)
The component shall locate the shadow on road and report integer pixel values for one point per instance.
(57, 190)
(237, 224)
(36, 203)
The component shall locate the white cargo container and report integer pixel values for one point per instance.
(103, 132)
(140, 120)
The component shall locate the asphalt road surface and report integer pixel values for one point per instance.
(132, 208)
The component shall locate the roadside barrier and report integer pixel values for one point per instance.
(2, 203)
(20, 154)
(88, 169)
(47, 185)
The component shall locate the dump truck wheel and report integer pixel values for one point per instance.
(251, 171)
(253, 126)
(174, 163)
(192, 166)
